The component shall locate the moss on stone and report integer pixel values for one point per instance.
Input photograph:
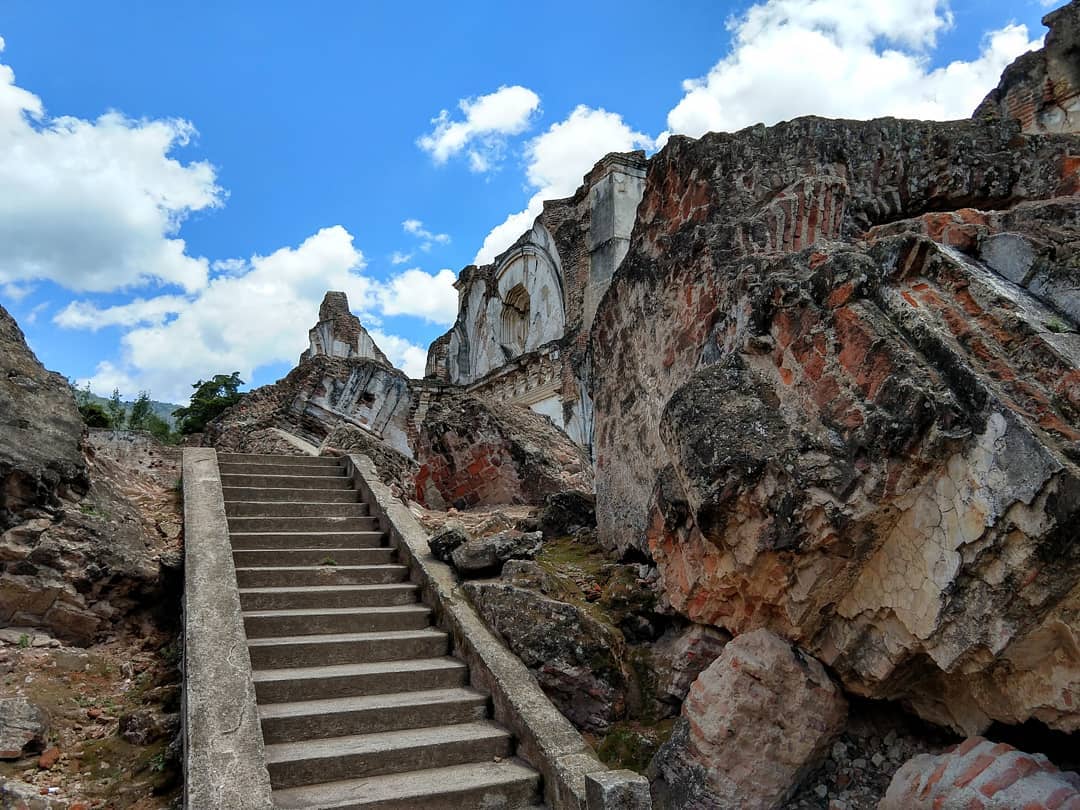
(632, 745)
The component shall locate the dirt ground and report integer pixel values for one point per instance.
(113, 708)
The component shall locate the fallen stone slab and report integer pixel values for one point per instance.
(979, 773)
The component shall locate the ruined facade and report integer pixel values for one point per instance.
(339, 333)
(1041, 89)
(343, 379)
(524, 320)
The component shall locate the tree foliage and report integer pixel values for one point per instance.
(141, 411)
(94, 415)
(211, 397)
(115, 408)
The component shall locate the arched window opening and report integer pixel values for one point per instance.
(515, 319)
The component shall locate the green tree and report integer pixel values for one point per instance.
(94, 415)
(115, 409)
(160, 429)
(141, 411)
(211, 397)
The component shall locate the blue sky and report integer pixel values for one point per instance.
(286, 145)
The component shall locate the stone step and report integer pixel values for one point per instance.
(249, 557)
(258, 458)
(250, 468)
(346, 648)
(370, 714)
(328, 596)
(506, 785)
(302, 517)
(254, 500)
(295, 576)
(286, 481)
(271, 540)
(285, 684)
(319, 621)
(336, 758)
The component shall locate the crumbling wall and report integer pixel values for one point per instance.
(1041, 89)
(561, 267)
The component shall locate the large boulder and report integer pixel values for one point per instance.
(757, 721)
(681, 655)
(979, 773)
(73, 548)
(842, 402)
(577, 660)
(566, 513)
(23, 728)
(473, 453)
(41, 460)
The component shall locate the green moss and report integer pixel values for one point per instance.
(564, 554)
(632, 745)
(1057, 325)
(644, 703)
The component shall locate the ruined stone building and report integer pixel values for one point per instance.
(523, 321)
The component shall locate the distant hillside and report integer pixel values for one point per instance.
(161, 409)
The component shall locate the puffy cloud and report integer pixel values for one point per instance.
(84, 315)
(428, 238)
(407, 356)
(482, 133)
(556, 162)
(238, 322)
(841, 59)
(414, 292)
(255, 315)
(96, 205)
(16, 292)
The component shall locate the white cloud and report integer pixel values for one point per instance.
(414, 292)
(236, 323)
(407, 356)
(428, 238)
(16, 292)
(557, 160)
(32, 315)
(842, 59)
(257, 314)
(96, 205)
(400, 258)
(139, 312)
(228, 267)
(481, 135)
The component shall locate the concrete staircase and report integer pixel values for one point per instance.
(360, 704)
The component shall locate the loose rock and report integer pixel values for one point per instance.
(757, 721)
(486, 555)
(979, 773)
(23, 728)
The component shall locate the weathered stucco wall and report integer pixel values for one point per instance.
(522, 317)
